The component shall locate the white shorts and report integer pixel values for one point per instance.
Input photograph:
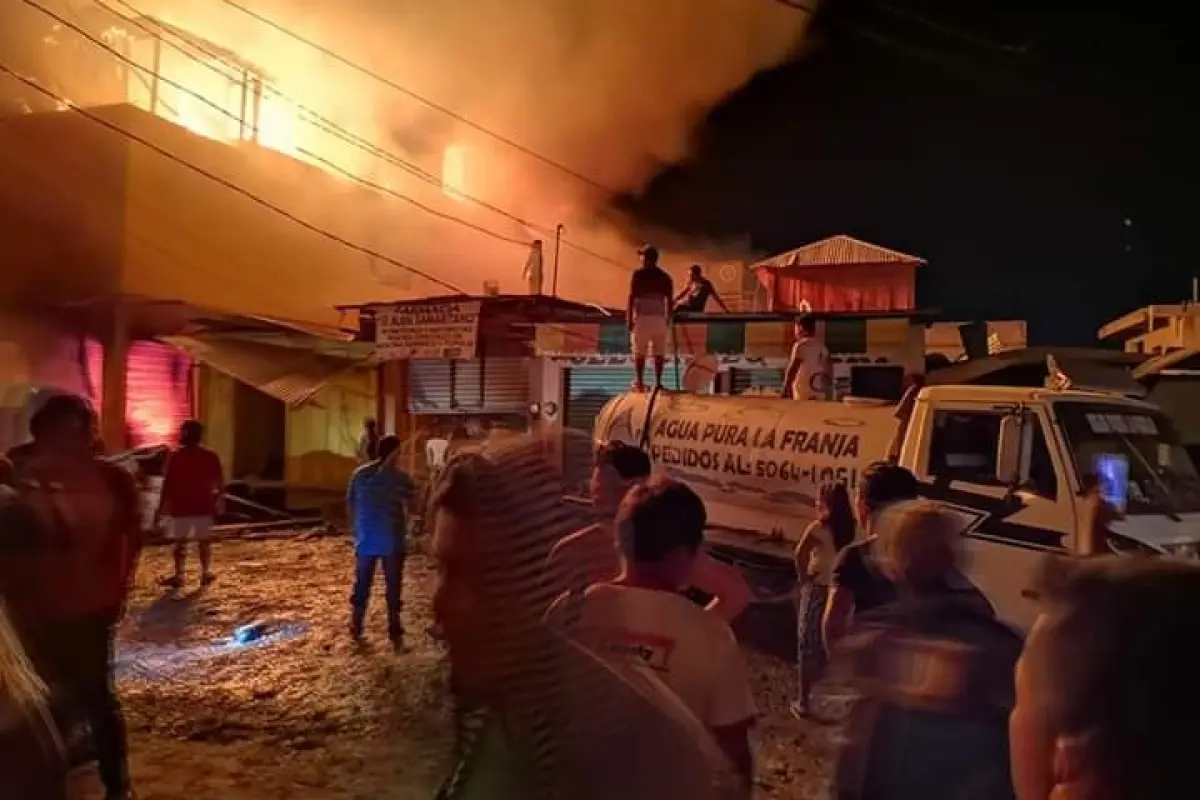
(182, 529)
(649, 334)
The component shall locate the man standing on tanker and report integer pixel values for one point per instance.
(807, 376)
(651, 293)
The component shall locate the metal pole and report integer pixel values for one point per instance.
(245, 102)
(558, 229)
(157, 65)
(258, 96)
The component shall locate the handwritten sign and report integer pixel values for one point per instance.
(428, 330)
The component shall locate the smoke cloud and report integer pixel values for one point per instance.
(610, 88)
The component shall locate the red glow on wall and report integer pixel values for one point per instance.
(158, 391)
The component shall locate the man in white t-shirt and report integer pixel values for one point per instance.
(807, 376)
(647, 629)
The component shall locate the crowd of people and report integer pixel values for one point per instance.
(595, 672)
(601, 662)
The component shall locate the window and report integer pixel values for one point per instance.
(963, 446)
(1041, 478)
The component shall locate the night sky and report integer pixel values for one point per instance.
(1007, 148)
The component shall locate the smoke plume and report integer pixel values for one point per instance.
(610, 88)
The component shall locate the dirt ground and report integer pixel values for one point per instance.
(314, 717)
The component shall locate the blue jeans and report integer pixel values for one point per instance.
(393, 579)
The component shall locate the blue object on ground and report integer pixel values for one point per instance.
(154, 662)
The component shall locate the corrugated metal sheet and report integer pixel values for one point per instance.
(430, 387)
(157, 390)
(493, 386)
(285, 373)
(468, 386)
(588, 389)
(506, 384)
(838, 250)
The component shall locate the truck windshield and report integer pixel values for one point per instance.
(1161, 475)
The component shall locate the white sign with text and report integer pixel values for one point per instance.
(428, 330)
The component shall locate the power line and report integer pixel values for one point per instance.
(427, 209)
(420, 98)
(235, 118)
(912, 51)
(33, 84)
(947, 30)
(329, 126)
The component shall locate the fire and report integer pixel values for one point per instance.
(210, 97)
(454, 170)
(278, 124)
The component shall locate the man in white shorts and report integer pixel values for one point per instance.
(651, 293)
(192, 494)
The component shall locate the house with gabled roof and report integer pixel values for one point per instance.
(840, 273)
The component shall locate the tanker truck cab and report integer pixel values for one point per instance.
(1008, 461)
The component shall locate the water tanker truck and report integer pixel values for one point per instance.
(1007, 460)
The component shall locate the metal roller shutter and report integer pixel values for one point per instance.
(158, 393)
(158, 397)
(469, 394)
(430, 387)
(587, 390)
(494, 385)
(744, 379)
(506, 385)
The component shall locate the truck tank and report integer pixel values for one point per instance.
(757, 462)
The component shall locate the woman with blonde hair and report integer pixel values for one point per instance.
(934, 671)
(31, 762)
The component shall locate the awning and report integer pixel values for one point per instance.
(285, 373)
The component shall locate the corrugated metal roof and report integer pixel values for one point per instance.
(285, 373)
(838, 250)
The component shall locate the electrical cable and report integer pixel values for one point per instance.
(418, 97)
(282, 212)
(329, 126)
(235, 118)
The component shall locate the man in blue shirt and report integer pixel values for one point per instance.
(377, 504)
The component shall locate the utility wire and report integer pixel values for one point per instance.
(419, 98)
(329, 126)
(925, 55)
(949, 31)
(303, 223)
(235, 118)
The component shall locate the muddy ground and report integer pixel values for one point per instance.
(311, 716)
